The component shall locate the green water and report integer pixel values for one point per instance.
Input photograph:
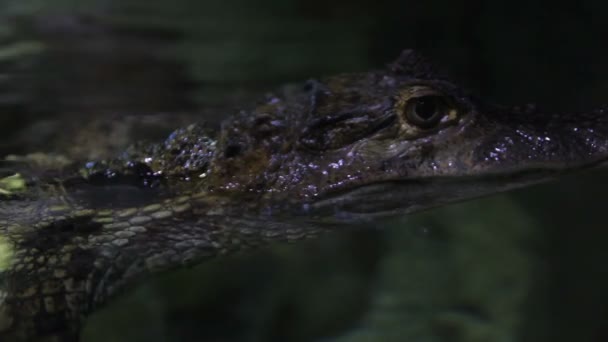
(523, 266)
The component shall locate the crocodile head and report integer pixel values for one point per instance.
(404, 139)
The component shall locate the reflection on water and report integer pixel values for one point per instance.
(87, 78)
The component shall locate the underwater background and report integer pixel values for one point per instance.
(530, 265)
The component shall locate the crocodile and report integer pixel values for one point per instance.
(320, 156)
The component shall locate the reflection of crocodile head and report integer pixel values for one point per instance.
(342, 149)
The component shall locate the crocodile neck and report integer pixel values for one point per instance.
(72, 245)
(67, 261)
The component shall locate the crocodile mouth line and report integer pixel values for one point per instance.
(394, 197)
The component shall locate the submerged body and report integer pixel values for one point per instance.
(331, 153)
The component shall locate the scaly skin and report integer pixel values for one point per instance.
(332, 153)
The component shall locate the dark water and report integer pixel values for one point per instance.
(525, 266)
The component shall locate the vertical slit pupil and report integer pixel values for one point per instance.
(426, 107)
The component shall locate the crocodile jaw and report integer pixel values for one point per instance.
(492, 154)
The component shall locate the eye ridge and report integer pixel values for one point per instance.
(426, 111)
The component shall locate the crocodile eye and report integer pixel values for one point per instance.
(426, 111)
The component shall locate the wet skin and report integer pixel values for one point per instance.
(310, 158)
